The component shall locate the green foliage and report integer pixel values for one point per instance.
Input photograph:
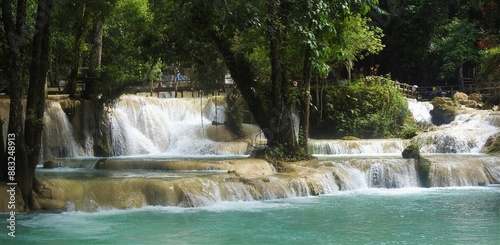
(278, 152)
(362, 109)
(455, 43)
(359, 40)
(114, 82)
(490, 64)
(409, 130)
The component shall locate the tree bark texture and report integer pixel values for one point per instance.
(95, 60)
(35, 105)
(17, 41)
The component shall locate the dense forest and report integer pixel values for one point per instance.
(266, 46)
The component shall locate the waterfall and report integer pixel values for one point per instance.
(466, 134)
(464, 170)
(137, 126)
(420, 110)
(374, 173)
(141, 125)
(58, 138)
(349, 147)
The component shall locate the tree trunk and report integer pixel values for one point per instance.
(268, 105)
(16, 40)
(80, 34)
(95, 60)
(305, 100)
(35, 104)
(282, 124)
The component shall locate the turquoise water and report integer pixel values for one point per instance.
(374, 216)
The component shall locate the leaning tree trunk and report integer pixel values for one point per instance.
(16, 40)
(269, 108)
(35, 104)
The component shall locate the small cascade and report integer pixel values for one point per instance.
(137, 126)
(392, 175)
(165, 126)
(58, 139)
(451, 170)
(354, 174)
(420, 110)
(467, 134)
(350, 147)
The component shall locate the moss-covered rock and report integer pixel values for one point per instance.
(423, 165)
(349, 138)
(444, 111)
(461, 98)
(412, 151)
(423, 170)
(492, 145)
(476, 97)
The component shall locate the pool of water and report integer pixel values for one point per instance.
(465, 215)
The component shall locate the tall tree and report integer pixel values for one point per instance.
(14, 25)
(35, 105)
(242, 31)
(26, 134)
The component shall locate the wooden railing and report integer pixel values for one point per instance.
(428, 92)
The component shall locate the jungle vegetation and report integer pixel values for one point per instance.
(267, 46)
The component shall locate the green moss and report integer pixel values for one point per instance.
(444, 111)
(412, 151)
(423, 171)
(349, 138)
(493, 144)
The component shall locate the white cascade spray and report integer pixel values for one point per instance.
(420, 110)
(58, 137)
(141, 125)
(349, 147)
(355, 173)
(466, 134)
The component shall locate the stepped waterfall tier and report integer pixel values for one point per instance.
(171, 167)
(169, 152)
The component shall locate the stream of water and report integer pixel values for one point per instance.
(362, 191)
(468, 215)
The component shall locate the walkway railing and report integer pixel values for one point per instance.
(416, 92)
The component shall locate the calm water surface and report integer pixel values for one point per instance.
(373, 216)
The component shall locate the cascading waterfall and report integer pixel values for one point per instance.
(467, 134)
(169, 126)
(138, 126)
(350, 147)
(374, 173)
(420, 110)
(471, 170)
(183, 127)
(58, 139)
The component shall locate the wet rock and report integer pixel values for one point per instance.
(444, 111)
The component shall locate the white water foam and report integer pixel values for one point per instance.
(420, 110)
(466, 134)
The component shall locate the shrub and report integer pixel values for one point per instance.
(373, 109)
(490, 64)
